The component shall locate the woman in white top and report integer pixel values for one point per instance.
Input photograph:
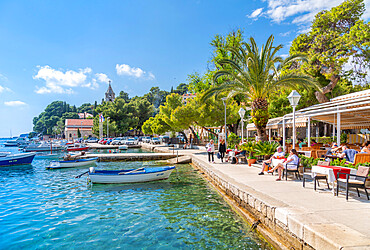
(211, 151)
(290, 163)
(277, 155)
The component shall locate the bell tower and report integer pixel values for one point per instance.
(110, 95)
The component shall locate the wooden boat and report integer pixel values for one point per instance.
(131, 175)
(72, 163)
(16, 159)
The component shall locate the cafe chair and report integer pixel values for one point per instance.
(317, 177)
(296, 171)
(357, 182)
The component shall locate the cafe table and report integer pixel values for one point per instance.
(331, 173)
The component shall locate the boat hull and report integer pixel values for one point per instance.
(77, 149)
(114, 177)
(73, 163)
(42, 149)
(17, 159)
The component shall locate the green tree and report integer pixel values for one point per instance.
(255, 73)
(337, 47)
(78, 133)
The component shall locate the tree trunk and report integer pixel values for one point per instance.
(208, 130)
(186, 138)
(320, 96)
(260, 117)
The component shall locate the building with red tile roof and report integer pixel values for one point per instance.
(84, 125)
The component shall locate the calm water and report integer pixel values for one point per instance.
(46, 209)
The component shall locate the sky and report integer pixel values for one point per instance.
(69, 50)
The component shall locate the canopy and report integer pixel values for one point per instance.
(353, 111)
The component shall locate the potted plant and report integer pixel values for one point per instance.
(266, 149)
(249, 147)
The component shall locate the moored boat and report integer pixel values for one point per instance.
(131, 175)
(78, 147)
(42, 147)
(72, 163)
(16, 159)
(123, 147)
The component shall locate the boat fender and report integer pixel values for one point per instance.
(92, 170)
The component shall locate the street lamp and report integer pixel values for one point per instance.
(224, 102)
(108, 127)
(293, 98)
(242, 113)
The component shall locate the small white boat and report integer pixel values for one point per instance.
(72, 163)
(131, 175)
(123, 147)
(42, 147)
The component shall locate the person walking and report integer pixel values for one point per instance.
(222, 149)
(211, 151)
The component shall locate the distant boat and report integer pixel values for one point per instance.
(16, 159)
(131, 175)
(123, 147)
(72, 163)
(21, 141)
(42, 147)
(78, 147)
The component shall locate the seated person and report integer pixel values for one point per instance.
(290, 163)
(334, 148)
(313, 142)
(240, 155)
(278, 154)
(366, 147)
(301, 143)
(348, 154)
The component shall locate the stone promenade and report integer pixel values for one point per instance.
(297, 217)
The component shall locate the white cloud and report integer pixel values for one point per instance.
(3, 89)
(3, 78)
(127, 70)
(102, 77)
(284, 56)
(300, 12)
(256, 13)
(285, 33)
(15, 103)
(57, 81)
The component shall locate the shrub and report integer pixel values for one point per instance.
(266, 148)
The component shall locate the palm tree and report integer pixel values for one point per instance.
(256, 73)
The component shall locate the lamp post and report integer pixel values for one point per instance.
(224, 102)
(293, 98)
(108, 127)
(242, 113)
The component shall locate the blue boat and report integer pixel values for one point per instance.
(16, 159)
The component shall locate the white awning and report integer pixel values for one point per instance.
(354, 110)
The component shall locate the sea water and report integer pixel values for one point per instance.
(50, 209)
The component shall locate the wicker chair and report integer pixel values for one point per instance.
(317, 177)
(358, 182)
(361, 158)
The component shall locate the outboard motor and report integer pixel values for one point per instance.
(92, 170)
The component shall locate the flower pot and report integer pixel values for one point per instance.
(251, 161)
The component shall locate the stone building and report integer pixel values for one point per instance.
(110, 95)
(84, 125)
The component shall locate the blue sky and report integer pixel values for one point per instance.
(68, 50)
